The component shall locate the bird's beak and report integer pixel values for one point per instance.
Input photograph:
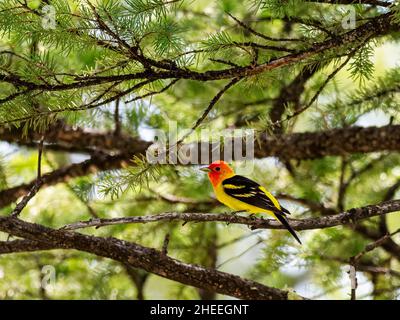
(205, 169)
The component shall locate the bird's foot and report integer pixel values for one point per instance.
(233, 214)
(253, 217)
(251, 227)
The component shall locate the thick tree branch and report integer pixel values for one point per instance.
(311, 145)
(41, 238)
(148, 259)
(77, 139)
(298, 146)
(16, 246)
(375, 27)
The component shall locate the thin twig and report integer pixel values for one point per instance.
(320, 89)
(354, 261)
(117, 120)
(87, 106)
(328, 221)
(153, 92)
(39, 182)
(375, 244)
(259, 34)
(342, 188)
(240, 254)
(39, 164)
(229, 63)
(165, 245)
(209, 108)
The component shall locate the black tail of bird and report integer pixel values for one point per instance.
(283, 220)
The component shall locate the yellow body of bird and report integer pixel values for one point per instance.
(238, 205)
(242, 194)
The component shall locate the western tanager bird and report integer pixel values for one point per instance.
(242, 194)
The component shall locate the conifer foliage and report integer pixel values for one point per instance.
(85, 85)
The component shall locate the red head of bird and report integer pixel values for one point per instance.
(218, 171)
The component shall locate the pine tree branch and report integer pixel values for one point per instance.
(150, 94)
(16, 246)
(134, 51)
(292, 146)
(290, 93)
(336, 142)
(375, 27)
(319, 91)
(211, 105)
(376, 94)
(78, 139)
(343, 218)
(344, 185)
(36, 184)
(259, 34)
(97, 163)
(137, 256)
(299, 146)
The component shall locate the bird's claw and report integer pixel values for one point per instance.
(251, 227)
(233, 214)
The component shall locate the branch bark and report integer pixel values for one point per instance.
(148, 259)
(343, 218)
(298, 146)
(378, 26)
(38, 237)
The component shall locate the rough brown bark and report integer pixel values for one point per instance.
(312, 145)
(16, 246)
(148, 259)
(64, 137)
(38, 237)
(300, 146)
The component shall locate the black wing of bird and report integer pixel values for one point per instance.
(251, 192)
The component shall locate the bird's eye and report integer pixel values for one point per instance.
(217, 168)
